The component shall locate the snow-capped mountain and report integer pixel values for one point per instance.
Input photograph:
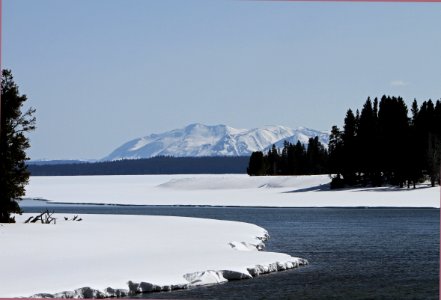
(218, 140)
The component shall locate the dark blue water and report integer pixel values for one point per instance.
(353, 253)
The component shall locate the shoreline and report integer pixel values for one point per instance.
(186, 252)
(50, 203)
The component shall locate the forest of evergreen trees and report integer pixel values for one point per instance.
(379, 145)
(291, 160)
(154, 165)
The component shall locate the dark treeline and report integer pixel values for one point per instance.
(291, 160)
(155, 165)
(382, 144)
(379, 145)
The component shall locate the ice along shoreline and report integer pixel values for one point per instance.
(114, 256)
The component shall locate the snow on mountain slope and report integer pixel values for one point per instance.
(303, 134)
(218, 140)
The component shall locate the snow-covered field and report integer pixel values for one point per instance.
(224, 190)
(108, 255)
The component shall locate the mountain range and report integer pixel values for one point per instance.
(219, 140)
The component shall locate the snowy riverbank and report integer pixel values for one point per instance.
(224, 190)
(109, 255)
(115, 255)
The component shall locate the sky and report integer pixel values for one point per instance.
(102, 72)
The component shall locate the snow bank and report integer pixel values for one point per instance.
(114, 255)
(223, 182)
(223, 190)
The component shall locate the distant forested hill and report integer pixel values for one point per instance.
(155, 165)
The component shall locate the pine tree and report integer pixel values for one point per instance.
(415, 110)
(273, 161)
(414, 162)
(394, 134)
(285, 166)
(367, 138)
(420, 128)
(256, 166)
(316, 157)
(335, 147)
(426, 127)
(349, 148)
(375, 107)
(13, 143)
(300, 164)
(433, 155)
(335, 157)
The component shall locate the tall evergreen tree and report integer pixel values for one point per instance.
(425, 127)
(350, 148)
(13, 144)
(415, 110)
(433, 155)
(299, 153)
(420, 128)
(285, 159)
(375, 107)
(273, 161)
(394, 132)
(368, 144)
(335, 157)
(335, 148)
(256, 166)
(414, 162)
(316, 157)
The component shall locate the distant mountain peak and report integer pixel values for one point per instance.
(213, 140)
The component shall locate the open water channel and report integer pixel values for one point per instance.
(354, 253)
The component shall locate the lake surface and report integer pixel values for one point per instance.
(353, 253)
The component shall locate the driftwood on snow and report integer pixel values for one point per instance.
(45, 218)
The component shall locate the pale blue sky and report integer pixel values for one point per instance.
(101, 72)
